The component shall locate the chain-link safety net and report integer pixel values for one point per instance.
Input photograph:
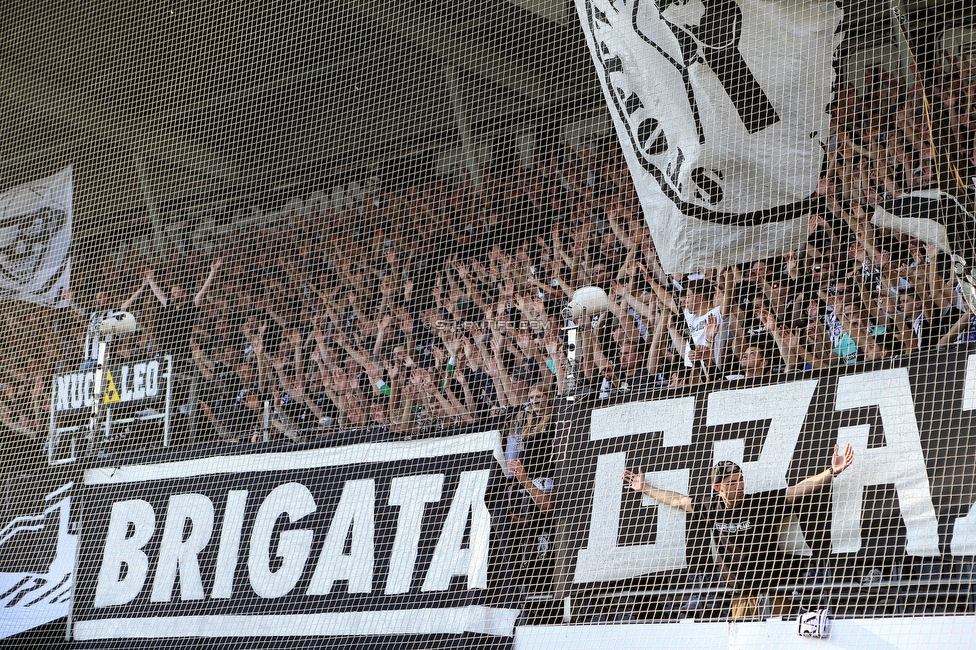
(529, 324)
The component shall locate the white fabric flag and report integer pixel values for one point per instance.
(720, 107)
(934, 217)
(35, 241)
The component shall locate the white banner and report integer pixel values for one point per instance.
(720, 107)
(37, 555)
(35, 240)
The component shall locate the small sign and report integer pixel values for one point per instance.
(111, 392)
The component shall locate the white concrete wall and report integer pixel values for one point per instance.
(935, 633)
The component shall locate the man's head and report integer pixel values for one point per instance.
(246, 373)
(886, 303)
(697, 296)
(230, 354)
(727, 481)
(599, 274)
(818, 270)
(778, 289)
(630, 357)
(843, 294)
(753, 361)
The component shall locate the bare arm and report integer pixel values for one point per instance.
(728, 282)
(618, 231)
(960, 326)
(942, 292)
(542, 499)
(838, 463)
(218, 425)
(131, 301)
(214, 268)
(674, 499)
(658, 345)
(159, 293)
(662, 294)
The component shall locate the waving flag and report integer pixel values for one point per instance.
(720, 107)
(35, 240)
(932, 216)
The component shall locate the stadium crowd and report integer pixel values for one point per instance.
(432, 304)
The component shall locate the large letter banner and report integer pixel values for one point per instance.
(337, 546)
(906, 500)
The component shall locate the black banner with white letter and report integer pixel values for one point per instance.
(908, 494)
(373, 543)
(393, 542)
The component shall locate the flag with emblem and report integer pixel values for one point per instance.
(35, 241)
(721, 109)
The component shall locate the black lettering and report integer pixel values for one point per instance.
(709, 189)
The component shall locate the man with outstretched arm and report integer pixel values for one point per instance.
(745, 527)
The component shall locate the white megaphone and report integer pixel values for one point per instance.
(588, 301)
(120, 324)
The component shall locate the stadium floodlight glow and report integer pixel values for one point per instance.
(586, 303)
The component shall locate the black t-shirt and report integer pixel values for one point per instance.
(176, 327)
(746, 539)
(931, 330)
(225, 385)
(536, 455)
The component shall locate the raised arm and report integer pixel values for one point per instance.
(159, 293)
(658, 344)
(637, 483)
(838, 463)
(663, 295)
(726, 290)
(613, 217)
(941, 291)
(142, 287)
(214, 268)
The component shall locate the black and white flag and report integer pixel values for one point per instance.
(38, 544)
(35, 241)
(721, 110)
(932, 216)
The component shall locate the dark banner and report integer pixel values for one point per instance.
(38, 542)
(375, 543)
(908, 494)
(394, 542)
